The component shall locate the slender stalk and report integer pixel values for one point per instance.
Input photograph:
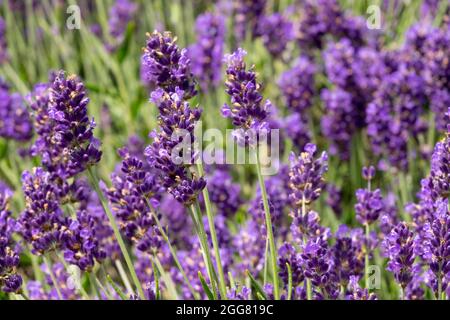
(167, 279)
(123, 276)
(212, 230)
(172, 250)
(155, 273)
(196, 217)
(112, 221)
(52, 276)
(308, 281)
(66, 266)
(366, 257)
(92, 280)
(266, 254)
(439, 284)
(102, 288)
(272, 247)
(39, 276)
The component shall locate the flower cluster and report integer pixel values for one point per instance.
(43, 223)
(248, 14)
(276, 31)
(400, 249)
(166, 66)
(134, 195)
(306, 175)
(120, 14)
(10, 281)
(15, 120)
(206, 54)
(246, 109)
(73, 131)
(297, 85)
(177, 121)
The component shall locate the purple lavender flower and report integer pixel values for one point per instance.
(120, 14)
(436, 246)
(393, 117)
(276, 32)
(348, 254)
(287, 254)
(306, 175)
(133, 196)
(369, 205)
(206, 54)
(338, 59)
(425, 49)
(334, 199)
(38, 292)
(297, 85)
(356, 72)
(42, 224)
(236, 294)
(440, 168)
(245, 110)
(225, 194)
(73, 131)
(100, 227)
(165, 65)
(247, 16)
(399, 246)
(82, 245)
(192, 263)
(223, 233)
(177, 120)
(358, 293)
(53, 157)
(10, 281)
(15, 120)
(308, 226)
(3, 44)
(318, 267)
(317, 20)
(278, 197)
(176, 218)
(297, 129)
(389, 218)
(338, 123)
(250, 247)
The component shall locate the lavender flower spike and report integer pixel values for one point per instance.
(165, 65)
(306, 175)
(400, 249)
(246, 110)
(10, 281)
(73, 130)
(206, 54)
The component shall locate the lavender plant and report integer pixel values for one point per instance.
(361, 168)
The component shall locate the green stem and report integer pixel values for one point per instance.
(123, 276)
(167, 279)
(308, 281)
(212, 229)
(172, 250)
(197, 219)
(266, 254)
(366, 257)
(112, 221)
(52, 276)
(272, 247)
(155, 273)
(439, 294)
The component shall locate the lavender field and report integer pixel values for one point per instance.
(240, 150)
